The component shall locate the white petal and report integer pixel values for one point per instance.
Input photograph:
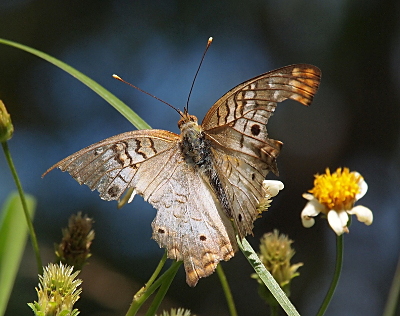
(364, 188)
(272, 187)
(364, 214)
(344, 217)
(307, 221)
(312, 208)
(132, 196)
(308, 196)
(338, 221)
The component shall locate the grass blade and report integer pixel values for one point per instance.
(120, 106)
(13, 237)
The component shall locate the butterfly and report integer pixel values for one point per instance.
(207, 182)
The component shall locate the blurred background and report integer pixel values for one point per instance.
(157, 45)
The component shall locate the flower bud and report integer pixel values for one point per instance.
(6, 127)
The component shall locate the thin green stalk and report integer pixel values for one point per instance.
(32, 233)
(227, 290)
(162, 291)
(336, 276)
(137, 303)
(393, 298)
(153, 277)
(266, 277)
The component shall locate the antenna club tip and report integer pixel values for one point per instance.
(116, 76)
(210, 39)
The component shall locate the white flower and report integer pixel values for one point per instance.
(271, 188)
(334, 195)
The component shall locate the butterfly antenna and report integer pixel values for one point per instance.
(198, 69)
(153, 96)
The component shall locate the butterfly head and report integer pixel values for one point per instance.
(187, 121)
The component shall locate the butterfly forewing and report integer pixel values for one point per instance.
(111, 166)
(298, 82)
(236, 126)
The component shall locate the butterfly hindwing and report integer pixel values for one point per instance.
(190, 222)
(243, 186)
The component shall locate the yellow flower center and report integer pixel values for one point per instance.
(337, 191)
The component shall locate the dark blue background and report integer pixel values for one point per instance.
(157, 45)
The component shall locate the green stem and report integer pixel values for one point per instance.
(336, 276)
(34, 241)
(266, 277)
(392, 301)
(169, 274)
(161, 292)
(153, 277)
(227, 290)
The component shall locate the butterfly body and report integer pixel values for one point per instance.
(205, 179)
(197, 152)
(195, 148)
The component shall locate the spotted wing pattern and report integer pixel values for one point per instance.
(113, 165)
(236, 127)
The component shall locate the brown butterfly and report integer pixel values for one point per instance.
(205, 178)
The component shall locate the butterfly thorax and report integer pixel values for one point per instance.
(195, 147)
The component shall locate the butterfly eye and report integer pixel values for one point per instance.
(181, 122)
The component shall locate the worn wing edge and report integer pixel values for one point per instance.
(152, 133)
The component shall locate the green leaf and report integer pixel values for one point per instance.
(13, 236)
(120, 106)
(266, 277)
